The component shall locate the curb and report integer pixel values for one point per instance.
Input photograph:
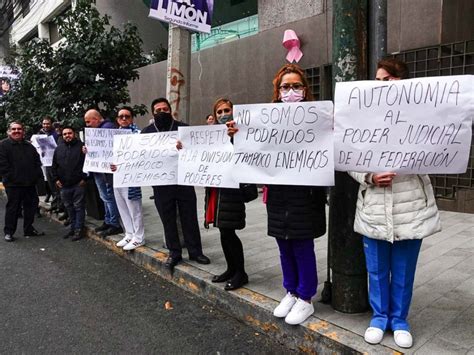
(314, 336)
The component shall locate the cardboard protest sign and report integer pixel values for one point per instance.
(149, 159)
(284, 143)
(45, 146)
(100, 145)
(206, 158)
(410, 126)
(195, 15)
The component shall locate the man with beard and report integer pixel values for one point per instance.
(67, 174)
(20, 168)
(168, 198)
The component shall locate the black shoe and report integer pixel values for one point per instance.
(200, 259)
(102, 228)
(62, 216)
(170, 263)
(111, 231)
(78, 234)
(33, 233)
(225, 276)
(67, 222)
(69, 234)
(48, 197)
(152, 197)
(9, 238)
(236, 282)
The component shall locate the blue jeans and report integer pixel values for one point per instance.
(298, 263)
(73, 198)
(106, 193)
(391, 269)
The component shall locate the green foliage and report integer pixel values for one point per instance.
(90, 67)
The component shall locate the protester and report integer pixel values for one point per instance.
(104, 182)
(68, 161)
(20, 168)
(210, 119)
(129, 199)
(394, 213)
(296, 215)
(225, 209)
(168, 198)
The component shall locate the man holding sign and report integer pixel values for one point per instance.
(169, 197)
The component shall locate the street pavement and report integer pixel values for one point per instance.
(442, 311)
(62, 297)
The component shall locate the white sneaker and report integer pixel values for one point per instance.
(124, 242)
(133, 244)
(373, 335)
(282, 310)
(403, 338)
(300, 312)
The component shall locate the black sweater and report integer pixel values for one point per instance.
(68, 161)
(20, 164)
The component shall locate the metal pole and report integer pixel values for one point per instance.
(179, 72)
(377, 34)
(349, 277)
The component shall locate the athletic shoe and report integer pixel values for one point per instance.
(403, 338)
(124, 242)
(133, 244)
(299, 312)
(373, 335)
(282, 310)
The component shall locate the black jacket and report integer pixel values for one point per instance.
(230, 208)
(174, 127)
(68, 161)
(296, 212)
(20, 164)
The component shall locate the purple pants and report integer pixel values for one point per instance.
(298, 264)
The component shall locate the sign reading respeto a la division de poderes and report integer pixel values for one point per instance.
(284, 143)
(206, 158)
(100, 144)
(413, 126)
(149, 159)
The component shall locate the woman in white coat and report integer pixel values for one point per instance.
(394, 213)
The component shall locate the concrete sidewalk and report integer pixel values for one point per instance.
(442, 311)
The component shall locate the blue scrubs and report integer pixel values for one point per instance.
(391, 269)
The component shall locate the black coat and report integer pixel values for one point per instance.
(68, 161)
(296, 212)
(20, 164)
(230, 208)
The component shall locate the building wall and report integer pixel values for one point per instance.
(241, 70)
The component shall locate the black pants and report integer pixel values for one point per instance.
(18, 197)
(166, 200)
(233, 251)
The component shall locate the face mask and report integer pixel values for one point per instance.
(292, 96)
(163, 121)
(224, 119)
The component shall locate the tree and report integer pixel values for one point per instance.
(90, 67)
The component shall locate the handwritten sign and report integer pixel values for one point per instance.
(194, 15)
(411, 126)
(149, 159)
(284, 143)
(100, 146)
(206, 158)
(45, 146)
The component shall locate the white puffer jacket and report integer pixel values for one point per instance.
(406, 210)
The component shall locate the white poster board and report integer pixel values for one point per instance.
(415, 126)
(45, 146)
(149, 159)
(284, 143)
(206, 158)
(100, 144)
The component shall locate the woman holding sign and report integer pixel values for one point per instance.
(296, 215)
(394, 213)
(129, 199)
(225, 209)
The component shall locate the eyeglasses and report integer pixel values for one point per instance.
(225, 110)
(294, 86)
(124, 117)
